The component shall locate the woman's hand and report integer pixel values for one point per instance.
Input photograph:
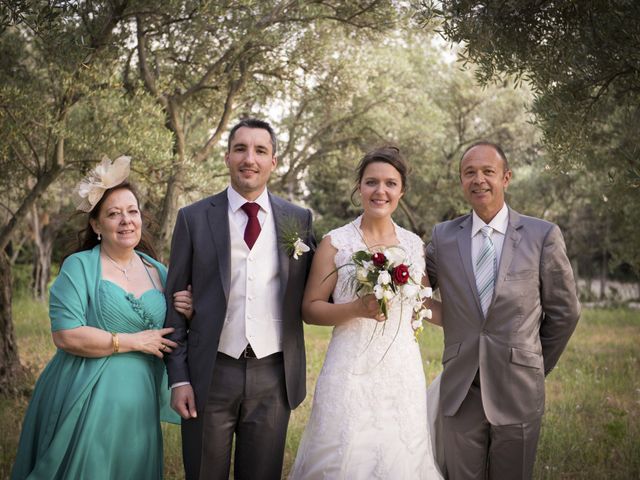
(183, 302)
(368, 307)
(94, 342)
(151, 342)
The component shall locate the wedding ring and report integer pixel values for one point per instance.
(162, 347)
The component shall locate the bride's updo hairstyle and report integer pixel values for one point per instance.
(387, 154)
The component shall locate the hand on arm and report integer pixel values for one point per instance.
(183, 302)
(94, 342)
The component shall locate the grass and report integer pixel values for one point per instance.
(591, 427)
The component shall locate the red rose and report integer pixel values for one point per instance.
(378, 259)
(400, 274)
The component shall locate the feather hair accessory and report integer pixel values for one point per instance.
(106, 175)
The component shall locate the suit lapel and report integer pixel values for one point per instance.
(218, 218)
(464, 248)
(280, 219)
(511, 240)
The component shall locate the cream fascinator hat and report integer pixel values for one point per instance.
(106, 175)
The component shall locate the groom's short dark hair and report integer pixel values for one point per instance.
(253, 123)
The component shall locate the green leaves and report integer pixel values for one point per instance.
(581, 60)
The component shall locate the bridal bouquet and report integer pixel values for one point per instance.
(387, 275)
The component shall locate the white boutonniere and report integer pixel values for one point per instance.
(291, 239)
(299, 247)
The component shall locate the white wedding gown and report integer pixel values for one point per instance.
(369, 414)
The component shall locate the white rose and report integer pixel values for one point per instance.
(388, 293)
(384, 278)
(378, 291)
(361, 274)
(416, 324)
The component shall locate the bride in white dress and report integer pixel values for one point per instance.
(369, 414)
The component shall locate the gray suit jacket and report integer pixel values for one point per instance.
(533, 313)
(200, 256)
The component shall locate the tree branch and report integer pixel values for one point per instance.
(44, 181)
(235, 86)
(147, 77)
(27, 140)
(204, 80)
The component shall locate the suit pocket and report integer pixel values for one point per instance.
(450, 352)
(526, 358)
(519, 275)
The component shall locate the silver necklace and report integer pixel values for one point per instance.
(122, 269)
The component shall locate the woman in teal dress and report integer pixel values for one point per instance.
(96, 409)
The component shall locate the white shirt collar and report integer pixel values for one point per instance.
(236, 200)
(498, 223)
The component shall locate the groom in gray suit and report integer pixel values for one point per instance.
(239, 368)
(509, 306)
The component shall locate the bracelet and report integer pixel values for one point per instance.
(115, 341)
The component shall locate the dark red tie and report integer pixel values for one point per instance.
(252, 230)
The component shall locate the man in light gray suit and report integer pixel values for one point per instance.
(239, 368)
(509, 306)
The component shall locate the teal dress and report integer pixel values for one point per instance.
(97, 418)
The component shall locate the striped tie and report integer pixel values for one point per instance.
(486, 269)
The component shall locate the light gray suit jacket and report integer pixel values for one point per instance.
(533, 313)
(201, 256)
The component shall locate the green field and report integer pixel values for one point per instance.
(591, 428)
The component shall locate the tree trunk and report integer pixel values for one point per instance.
(44, 233)
(170, 201)
(167, 215)
(42, 269)
(603, 275)
(10, 367)
(604, 264)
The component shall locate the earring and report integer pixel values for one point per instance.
(99, 237)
